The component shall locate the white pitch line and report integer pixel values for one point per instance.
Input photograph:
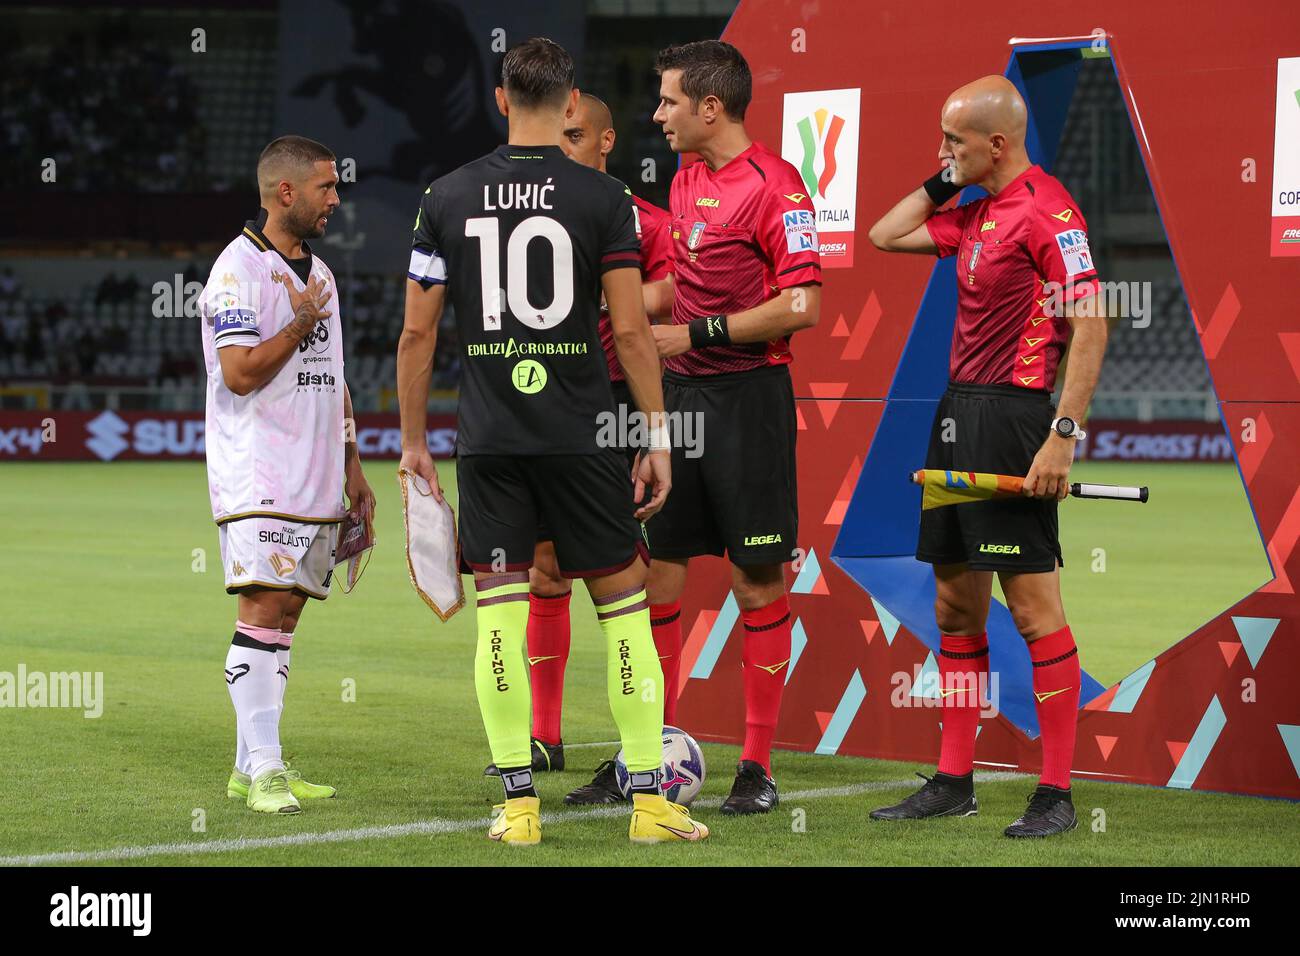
(431, 827)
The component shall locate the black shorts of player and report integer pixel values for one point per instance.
(622, 397)
(585, 499)
(998, 429)
(734, 488)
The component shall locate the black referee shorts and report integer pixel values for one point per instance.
(739, 497)
(585, 501)
(998, 429)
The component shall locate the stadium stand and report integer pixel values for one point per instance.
(176, 123)
(106, 339)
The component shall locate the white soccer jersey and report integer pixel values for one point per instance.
(277, 451)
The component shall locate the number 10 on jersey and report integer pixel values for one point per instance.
(487, 230)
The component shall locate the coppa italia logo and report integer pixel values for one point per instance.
(828, 128)
(820, 139)
(1284, 237)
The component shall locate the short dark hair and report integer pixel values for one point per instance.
(289, 154)
(537, 72)
(711, 68)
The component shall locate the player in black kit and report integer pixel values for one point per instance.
(523, 241)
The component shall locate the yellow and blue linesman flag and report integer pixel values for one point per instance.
(940, 487)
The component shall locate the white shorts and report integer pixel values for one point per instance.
(274, 553)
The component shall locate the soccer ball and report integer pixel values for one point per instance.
(683, 776)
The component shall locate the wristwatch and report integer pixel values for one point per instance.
(1068, 428)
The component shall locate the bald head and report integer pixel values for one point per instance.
(983, 126)
(589, 133)
(595, 109)
(989, 105)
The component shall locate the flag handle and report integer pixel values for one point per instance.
(1114, 492)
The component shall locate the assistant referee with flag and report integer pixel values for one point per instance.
(1027, 289)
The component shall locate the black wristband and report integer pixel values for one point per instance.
(710, 330)
(939, 189)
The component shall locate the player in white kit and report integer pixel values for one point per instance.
(280, 452)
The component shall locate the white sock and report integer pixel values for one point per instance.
(252, 677)
(282, 665)
(282, 668)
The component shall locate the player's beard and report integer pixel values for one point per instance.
(305, 224)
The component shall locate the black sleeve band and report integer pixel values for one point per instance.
(939, 189)
(710, 330)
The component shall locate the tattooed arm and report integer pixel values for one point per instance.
(248, 369)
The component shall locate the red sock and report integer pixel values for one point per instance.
(548, 652)
(767, 660)
(1056, 691)
(962, 660)
(666, 625)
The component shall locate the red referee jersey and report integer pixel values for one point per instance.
(1013, 250)
(739, 236)
(652, 230)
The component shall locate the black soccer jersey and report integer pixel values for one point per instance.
(521, 237)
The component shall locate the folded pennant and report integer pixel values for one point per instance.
(432, 556)
(941, 487)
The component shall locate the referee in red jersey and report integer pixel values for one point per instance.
(746, 275)
(1027, 289)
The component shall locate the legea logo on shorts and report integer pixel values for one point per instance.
(529, 377)
(999, 549)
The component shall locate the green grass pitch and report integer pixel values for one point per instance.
(103, 570)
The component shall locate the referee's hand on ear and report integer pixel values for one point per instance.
(1049, 475)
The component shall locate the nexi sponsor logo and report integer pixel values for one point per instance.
(820, 139)
(149, 436)
(1075, 253)
(75, 908)
(800, 230)
(1285, 226)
